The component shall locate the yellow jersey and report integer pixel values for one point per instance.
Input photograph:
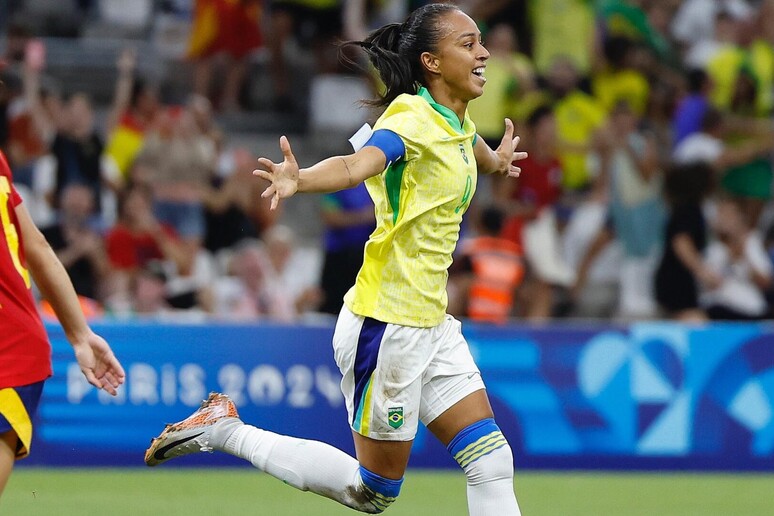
(419, 202)
(578, 115)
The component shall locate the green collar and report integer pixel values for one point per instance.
(445, 112)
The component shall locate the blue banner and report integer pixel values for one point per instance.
(650, 395)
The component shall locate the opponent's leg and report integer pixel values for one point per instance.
(470, 434)
(7, 457)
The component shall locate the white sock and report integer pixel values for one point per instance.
(304, 464)
(490, 485)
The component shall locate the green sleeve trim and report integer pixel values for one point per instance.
(393, 178)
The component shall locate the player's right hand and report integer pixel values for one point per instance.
(283, 176)
(98, 363)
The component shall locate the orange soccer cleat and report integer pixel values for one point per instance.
(205, 430)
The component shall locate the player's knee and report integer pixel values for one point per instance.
(483, 453)
(377, 492)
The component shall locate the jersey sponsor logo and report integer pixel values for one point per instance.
(395, 417)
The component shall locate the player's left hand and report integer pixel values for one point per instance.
(507, 152)
(283, 176)
(98, 363)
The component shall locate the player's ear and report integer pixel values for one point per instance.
(430, 62)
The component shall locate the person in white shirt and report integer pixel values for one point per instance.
(741, 263)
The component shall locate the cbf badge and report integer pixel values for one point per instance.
(395, 417)
(462, 151)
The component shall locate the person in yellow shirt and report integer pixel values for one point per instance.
(562, 28)
(403, 359)
(578, 117)
(618, 80)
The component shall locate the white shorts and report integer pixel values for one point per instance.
(395, 376)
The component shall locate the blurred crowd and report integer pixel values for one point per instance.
(645, 195)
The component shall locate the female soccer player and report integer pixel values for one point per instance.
(25, 354)
(403, 360)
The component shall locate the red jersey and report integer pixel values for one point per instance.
(539, 183)
(128, 250)
(25, 354)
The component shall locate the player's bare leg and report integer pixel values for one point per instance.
(469, 432)
(7, 457)
(385, 458)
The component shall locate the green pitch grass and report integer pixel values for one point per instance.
(241, 492)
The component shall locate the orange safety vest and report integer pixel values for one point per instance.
(497, 270)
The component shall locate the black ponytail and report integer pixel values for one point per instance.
(395, 50)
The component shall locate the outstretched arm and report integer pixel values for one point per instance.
(96, 359)
(329, 175)
(499, 160)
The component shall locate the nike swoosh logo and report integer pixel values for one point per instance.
(159, 455)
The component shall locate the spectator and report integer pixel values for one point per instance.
(489, 271)
(136, 110)
(619, 80)
(315, 25)
(293, 294)
(181, 160)
(578, 116)
(745, 167)
(348, 216)
(691, 109)
(233, 206)
(77, 148)
(228, 29)
(17, 36)
(695, 19)
(643, 22)
(136, 239)
(148, 292)
(245, 292)
(34, 116)
(562, 29)
(77, 240)
(682, 269)
(721, 41)
(737, 256)
(532, 221)
(636, 209)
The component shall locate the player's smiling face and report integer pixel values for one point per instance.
(461, 56)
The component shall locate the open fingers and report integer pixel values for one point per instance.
(275, 200)
(91, 378)
(107, 387)
(270, 190)
(263, 174)
(519, 155)
(267, 164)
(287, 152)
(113, 380)
(509, 127)
(508, 131)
